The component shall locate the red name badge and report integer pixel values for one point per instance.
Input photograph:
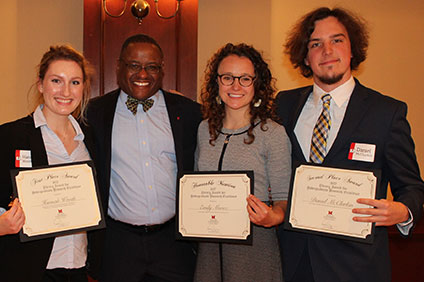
(23, 158)
(362, 152)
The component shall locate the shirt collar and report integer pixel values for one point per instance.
(40, 120)
(339, 95)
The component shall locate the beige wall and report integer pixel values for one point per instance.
(395, 56)
(235, 21)
(28, 28)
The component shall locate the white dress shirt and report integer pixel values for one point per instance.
(312, 110)
(69, 251)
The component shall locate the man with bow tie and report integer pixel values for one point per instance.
(144, 136)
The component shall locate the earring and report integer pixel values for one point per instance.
(257, 103)
(218, 100)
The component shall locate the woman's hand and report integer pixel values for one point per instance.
(261, 214)
(12, 220)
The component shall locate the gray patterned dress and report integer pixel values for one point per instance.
(269, 157)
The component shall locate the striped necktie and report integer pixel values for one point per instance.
(320, 133)
(132, 104)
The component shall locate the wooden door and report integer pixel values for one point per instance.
(104, 35)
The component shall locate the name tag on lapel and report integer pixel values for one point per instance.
(23, 158)
(362, 152)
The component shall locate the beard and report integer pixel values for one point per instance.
(329, 80)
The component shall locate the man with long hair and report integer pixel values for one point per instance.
(330, 123)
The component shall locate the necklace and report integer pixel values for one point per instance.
(226, 141)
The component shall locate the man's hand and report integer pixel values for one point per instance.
(385, 213)
(12, 220)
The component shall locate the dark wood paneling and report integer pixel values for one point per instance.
(104, 35)
(187, 49)
(407, 254)
(93, 42)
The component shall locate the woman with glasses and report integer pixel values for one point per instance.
(239, 133)
(50, 135)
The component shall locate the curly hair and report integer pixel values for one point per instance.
(67, 53)
(296, 45)
(264, 90)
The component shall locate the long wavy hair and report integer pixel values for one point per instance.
(67, 53)
(296, 45)
(264, 90)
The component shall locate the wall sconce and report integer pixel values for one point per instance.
(170, 17)
(140, 9)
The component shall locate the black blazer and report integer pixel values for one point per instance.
(184, 116)
(370, 118)
(24, 261)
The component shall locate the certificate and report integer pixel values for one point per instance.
(322, 199)
(58, 200)
(212, 206)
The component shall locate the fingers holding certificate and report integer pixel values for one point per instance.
(383, 212)
(263, 215)
(322, 200)
(11, 221)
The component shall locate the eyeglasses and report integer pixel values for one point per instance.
(244, 80)
(150, 69)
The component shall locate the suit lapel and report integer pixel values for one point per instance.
(176, 126)
(88, 140)
(355, 112)
(108, 114)
(298, 106)
(38, 151)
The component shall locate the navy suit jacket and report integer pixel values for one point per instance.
(26, 261)
(184, 116)
(370, 118)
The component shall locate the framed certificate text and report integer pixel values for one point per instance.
(58, 200)
(322, 198)
(211, 206)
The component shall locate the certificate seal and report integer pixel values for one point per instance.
(60, 218)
